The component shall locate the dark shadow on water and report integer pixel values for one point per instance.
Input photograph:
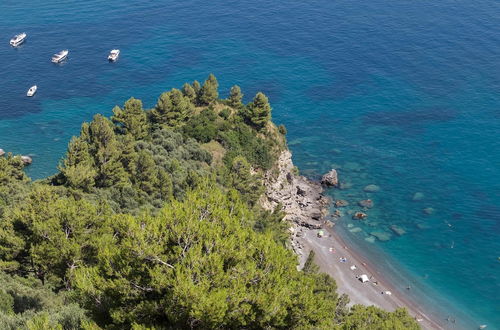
(410, 118)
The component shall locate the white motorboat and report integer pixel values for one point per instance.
(59, 57)
(113, 55)
(32, 90)
(18, 39)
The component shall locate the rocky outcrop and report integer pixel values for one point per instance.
(2, 152)
(341, 203)
(330, 179)
(300, 198)
(26, 160)
(359, 216)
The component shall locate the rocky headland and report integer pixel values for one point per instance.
(306, 208)
(301, 200)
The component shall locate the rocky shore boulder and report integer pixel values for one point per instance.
(371, 188)
(341, 203)
(330, 179)
(359, 216)
(2, 152)
(26, 160)
(366, 203)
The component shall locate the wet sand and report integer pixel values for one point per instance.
(328, 251)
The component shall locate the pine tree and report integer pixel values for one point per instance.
(258, 112)
(196, 87)
(235, 96)
(78, 166)
(146, 172)
(131, 119)
(172, 108)
(189, 92)
(242, 180)
(106, 151)
(209, 92)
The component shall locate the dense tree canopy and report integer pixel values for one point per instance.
(259, 111)
(153, 222)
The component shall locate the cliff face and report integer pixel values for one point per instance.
(301, 199)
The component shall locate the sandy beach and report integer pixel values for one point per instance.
(329, 250)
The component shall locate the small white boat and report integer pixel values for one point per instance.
(113, 55)
(32, 90)
(18, 39)
(59, 57)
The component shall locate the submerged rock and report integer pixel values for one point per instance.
(428, 210)
(381, 235)
(345, 185)
(371, 188)
(2, 152)
(367, 203)
(355, 230)
(370, 239)
(422, 226)
(330, 178)
(359, 216)
(341, 203)
(352, 166)
(398, 230)
(418, 196)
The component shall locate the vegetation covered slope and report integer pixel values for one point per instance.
(153, 223)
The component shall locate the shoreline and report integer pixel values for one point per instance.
(306, 208)
(367, 293)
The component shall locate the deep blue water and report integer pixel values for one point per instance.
(402, 94)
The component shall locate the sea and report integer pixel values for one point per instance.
(400, 94)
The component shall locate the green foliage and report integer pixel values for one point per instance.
(6, 302)
(371, 317)
(54, 228)
(200, 254)
(172, 108)
(145, 230)
(131, 119)
(241, 179)
(209, 92)
(258, 112)
(105, 149)
(309, 265)
(35, 306)
(241, 140)
(78, 167)
(202, 127)
(197, 87)
(235, 97)
(225, 113)
(189, 92)
(282, 129)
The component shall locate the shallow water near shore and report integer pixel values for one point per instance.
(403, 95)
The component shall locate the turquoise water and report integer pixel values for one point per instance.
(401, 94)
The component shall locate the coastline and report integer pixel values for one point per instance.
(305, 207)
